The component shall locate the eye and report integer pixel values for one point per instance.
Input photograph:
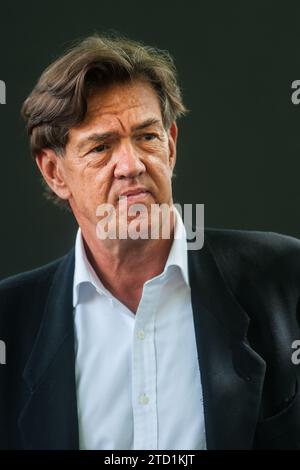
(100, 148)
(150, 136)
(147, 137)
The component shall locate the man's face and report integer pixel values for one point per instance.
(120, 146)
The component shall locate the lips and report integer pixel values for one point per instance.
(134, 193)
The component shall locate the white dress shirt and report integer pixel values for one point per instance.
(138, 378)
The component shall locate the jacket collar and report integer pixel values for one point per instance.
(232, 373)
(49, 417)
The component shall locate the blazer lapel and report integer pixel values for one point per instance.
(232, 373)
(49, 418)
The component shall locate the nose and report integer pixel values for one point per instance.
(129, 164)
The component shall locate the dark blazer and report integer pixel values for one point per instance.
(245, 290)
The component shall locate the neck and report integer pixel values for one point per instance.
(125, 265)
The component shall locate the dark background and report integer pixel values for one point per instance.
(239, 148)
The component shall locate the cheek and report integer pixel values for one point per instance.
(161, 177)
(160, 170)
(161, 159)
(102, 181)
(84, 186)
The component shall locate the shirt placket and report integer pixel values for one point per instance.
(144, 372)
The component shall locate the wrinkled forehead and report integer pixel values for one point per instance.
(119, 108)
(122, 102)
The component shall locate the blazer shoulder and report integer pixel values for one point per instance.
(247, 238)
(269, 253)
(252, 241)
(31, 279)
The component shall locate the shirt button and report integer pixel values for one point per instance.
(143, 399)
(141, 334)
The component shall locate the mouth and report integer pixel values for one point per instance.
(133, 195)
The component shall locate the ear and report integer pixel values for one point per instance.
(51, 167)
(172, 133)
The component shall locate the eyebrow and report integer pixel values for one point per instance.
(96, 137)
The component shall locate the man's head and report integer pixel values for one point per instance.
(102, 121)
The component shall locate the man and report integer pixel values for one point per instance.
(136, 342)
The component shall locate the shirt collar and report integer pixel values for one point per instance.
(178, 253)
(85, 274)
